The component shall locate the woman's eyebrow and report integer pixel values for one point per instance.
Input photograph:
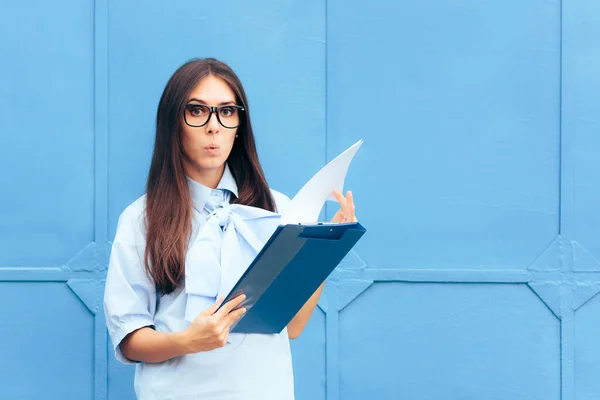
(221, 103)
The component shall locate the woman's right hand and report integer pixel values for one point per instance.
(210, 329)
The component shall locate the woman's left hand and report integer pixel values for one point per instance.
(347, 211)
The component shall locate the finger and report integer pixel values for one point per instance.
(339, 197)
(230, 305)
(350, 200)
(212, 309)
(233, 317)
(350, 205)
(338, 216)
(341, 215)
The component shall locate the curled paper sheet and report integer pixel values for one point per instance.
(306, 206)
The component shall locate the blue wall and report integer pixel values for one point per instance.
(477, 181)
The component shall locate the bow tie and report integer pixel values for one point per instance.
(222, 250)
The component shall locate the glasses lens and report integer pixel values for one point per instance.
(196, 114)
(229, 116)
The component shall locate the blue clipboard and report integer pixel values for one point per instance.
(291, 266)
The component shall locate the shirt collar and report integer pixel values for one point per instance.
(201, 193)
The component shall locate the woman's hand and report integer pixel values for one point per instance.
(347, 211)
(345, 214)
(210, 329)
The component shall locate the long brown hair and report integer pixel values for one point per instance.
(168, 199)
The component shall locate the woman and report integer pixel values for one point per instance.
(180, 247)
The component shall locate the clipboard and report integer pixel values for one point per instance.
(291, 266)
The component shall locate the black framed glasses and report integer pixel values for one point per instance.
(198, 115)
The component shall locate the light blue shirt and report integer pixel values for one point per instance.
(225, 239)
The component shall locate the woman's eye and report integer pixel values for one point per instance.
(227, 111)
(197, 111)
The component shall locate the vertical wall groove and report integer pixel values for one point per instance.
(326, 103)
(567, 312)
(101, 178)
(101, 121)
(100, 358)
(560, 118)
(567, 334)
(332, 384)
(332, 366)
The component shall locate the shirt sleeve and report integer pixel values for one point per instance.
(129, 294)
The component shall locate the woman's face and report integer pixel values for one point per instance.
(207, 144)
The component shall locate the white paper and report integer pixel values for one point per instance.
(306, 206)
